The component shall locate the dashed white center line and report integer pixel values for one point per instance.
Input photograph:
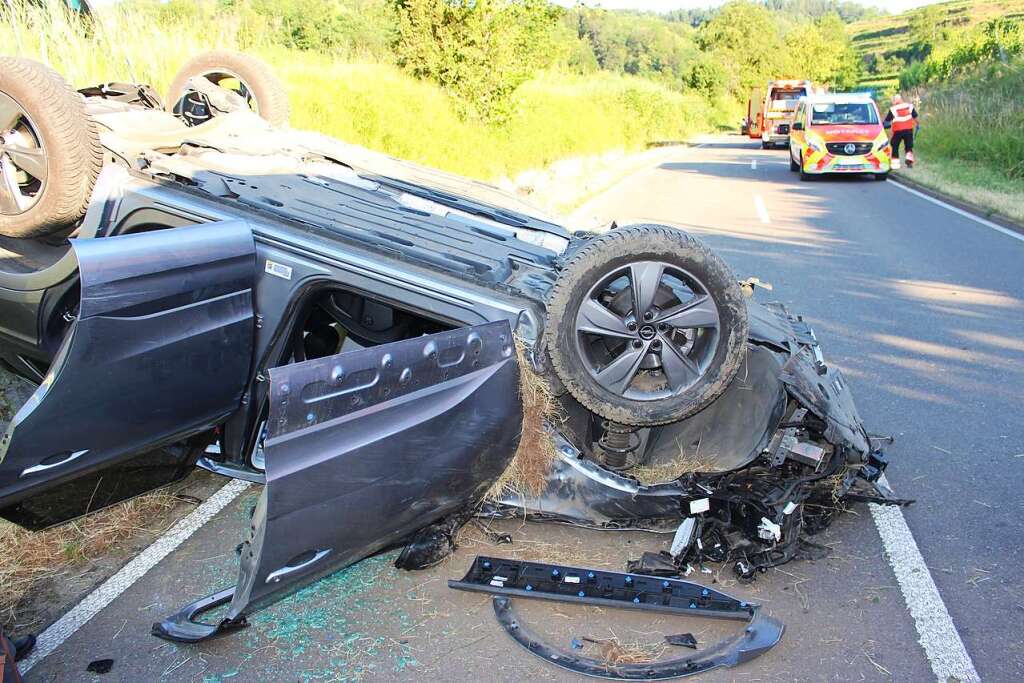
(753, 164)
(762, 210)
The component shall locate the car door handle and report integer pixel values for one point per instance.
(50, 465)
(278, 574)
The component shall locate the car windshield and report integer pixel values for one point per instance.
(840, 113)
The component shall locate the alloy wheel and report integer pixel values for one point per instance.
(23, 163)
(647, 331)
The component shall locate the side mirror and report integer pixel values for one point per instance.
(798, 125)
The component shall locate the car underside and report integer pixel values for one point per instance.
(356, 334)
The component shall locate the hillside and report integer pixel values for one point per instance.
(887, 43)
(887, 35)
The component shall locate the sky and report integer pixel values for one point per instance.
(893, 6)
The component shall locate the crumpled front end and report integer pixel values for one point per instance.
(753, 495)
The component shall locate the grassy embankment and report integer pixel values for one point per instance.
(886, 37)
(372, 103)
(968, 84)
(971, 143)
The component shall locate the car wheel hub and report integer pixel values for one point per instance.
(647, 331)
(23, 163)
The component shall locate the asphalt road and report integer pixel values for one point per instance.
(919, 306)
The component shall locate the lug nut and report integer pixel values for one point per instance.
(663, 327)
(656, 345)
(637, 343)
(648, 315)
(631, 326)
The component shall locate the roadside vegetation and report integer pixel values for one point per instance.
(887, 44)
(484, 88)
(40, 568)
(963, 64)
(972, 136)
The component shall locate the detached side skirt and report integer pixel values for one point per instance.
(507, 578)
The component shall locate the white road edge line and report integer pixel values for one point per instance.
(762, 210)
(966, 214)
(936, 632)
(62, 629)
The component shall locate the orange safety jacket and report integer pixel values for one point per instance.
(902, 117)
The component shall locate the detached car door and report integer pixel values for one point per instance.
(364, 449)
(160, 350)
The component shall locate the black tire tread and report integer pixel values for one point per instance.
(74, 154)
(267, 88)
(622, 240)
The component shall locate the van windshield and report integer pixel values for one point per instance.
(786, 100)
(843, 113)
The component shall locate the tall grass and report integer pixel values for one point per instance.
(978, 118)
(363, 102)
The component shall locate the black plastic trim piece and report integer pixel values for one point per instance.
(597, 587)
(183, 627)
(506, 578)
(760, 635)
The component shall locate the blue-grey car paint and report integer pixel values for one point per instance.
(124, 202)
(163, 342)
(363, 449)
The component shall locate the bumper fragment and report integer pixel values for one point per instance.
(514, 578)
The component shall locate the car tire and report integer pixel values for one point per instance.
(266, 93)
(764, 145)
(882, 176)
(804, 175)
(793, 166)
(49, 130)
(623, 253)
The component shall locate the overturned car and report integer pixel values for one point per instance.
(198, 286)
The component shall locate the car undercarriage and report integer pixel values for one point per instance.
(357, 334)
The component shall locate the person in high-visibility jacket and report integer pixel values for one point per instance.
(902, 121)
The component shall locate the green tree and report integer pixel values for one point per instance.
(746, 38)
(822, 51)
(479, 50)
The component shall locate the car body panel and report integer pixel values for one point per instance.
(366, 447)
(162, 341)
(346, 479)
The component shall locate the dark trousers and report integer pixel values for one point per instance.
(902, 136)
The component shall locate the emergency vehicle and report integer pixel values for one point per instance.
(839, 133)
(769, 111)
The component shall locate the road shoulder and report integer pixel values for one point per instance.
(979, 201)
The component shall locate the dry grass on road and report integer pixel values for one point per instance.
(29, 560)
(34, 565)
